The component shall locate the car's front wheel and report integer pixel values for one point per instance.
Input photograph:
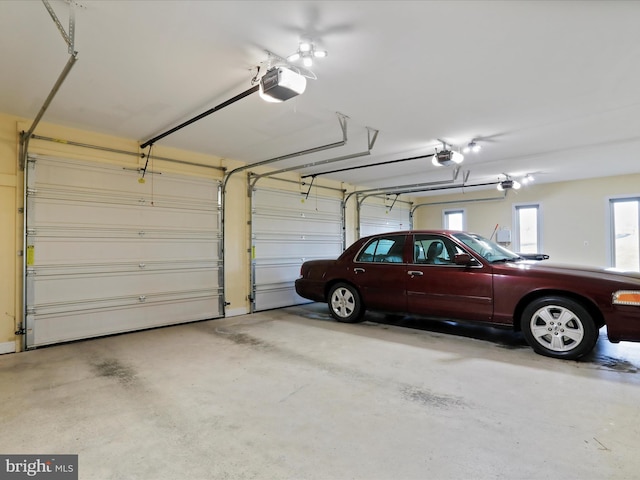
(559, 327)
(345, 304)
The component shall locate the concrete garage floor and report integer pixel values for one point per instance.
(291, 394)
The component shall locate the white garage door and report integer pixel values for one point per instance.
(286, 230)
(108, 254)
(379, 218)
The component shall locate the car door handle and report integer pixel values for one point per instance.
(358, 270)
(415, 273)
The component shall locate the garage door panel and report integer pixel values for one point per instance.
(287, 231)
(84, 178)
(130, 316)
(294, 226)
(83, 288)
(110, 197)
(277, 296)
(277, 273)
(62, 212)
(72, 251)
(375, 218)
(125, 267)
(278, 201)
(77, 176)
(90, 306)
(99, 241)
(300, 250)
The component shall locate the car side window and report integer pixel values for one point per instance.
(434, 250)
(383, 249)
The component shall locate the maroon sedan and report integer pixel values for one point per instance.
(462, 276)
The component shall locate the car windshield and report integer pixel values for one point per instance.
(487, 249)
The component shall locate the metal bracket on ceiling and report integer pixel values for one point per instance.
(372, 134)
(372, 139)
(69, 40)
(403, 189)
(70, 37)
(342, 119)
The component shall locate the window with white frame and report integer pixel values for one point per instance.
(454, 219)
(625, 242)
(528, 228)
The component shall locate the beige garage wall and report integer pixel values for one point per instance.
(8, 234)
(574, 214)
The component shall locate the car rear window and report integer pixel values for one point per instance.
(384, 249)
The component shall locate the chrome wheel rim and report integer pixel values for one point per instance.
(343, 302)
(557, 328)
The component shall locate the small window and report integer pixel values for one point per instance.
(625, 230)
(528, 228)
(385, 249)
(454, 220)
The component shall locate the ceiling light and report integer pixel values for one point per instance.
(307, 52)
(528, 178)
(472, 146)
(294, 57)
(280, 84)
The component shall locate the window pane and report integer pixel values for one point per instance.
(527, 229)
(434, 250)
(454, 220)
(388, 249)
(625, 228)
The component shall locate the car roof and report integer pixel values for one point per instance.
(412, 232)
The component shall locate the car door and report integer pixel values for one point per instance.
(379, 272)
(437, 286)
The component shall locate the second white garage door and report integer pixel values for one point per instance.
(108, 254)
(288, 229)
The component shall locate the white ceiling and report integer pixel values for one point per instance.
(549, 87)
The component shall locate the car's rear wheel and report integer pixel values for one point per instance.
(345, 304)
(559, 327)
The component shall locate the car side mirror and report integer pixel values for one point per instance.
(463, 259)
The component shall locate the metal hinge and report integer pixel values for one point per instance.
(21, 330)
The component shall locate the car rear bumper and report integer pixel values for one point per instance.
(310, 290)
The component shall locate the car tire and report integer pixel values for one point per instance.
(345, 304)
(559, 327)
